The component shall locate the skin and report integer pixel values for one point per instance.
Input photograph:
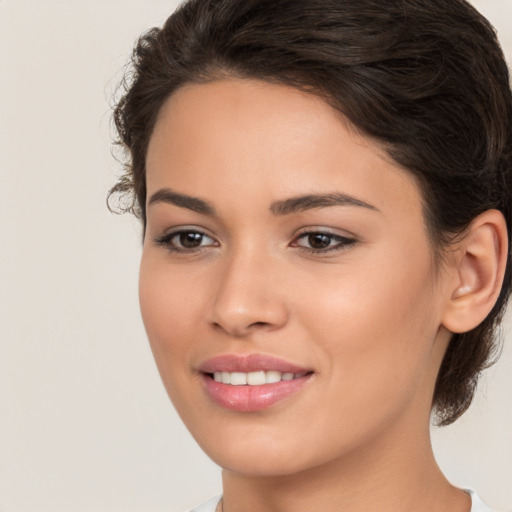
(367, 319)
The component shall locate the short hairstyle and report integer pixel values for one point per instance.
(426, 79)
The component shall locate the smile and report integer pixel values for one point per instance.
(251, 383)
(254, 378)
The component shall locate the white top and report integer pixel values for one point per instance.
(209, 506)
(477, 504)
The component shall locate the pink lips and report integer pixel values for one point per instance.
(247, 398)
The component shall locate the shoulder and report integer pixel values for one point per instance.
(209, 506)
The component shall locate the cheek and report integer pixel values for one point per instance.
(168, 305)
(377, 327)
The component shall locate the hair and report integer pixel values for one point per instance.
(425, 78)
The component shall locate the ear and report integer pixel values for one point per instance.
(480, 260)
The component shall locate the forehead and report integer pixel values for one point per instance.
(260, 139)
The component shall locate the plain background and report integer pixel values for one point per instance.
(85, 424)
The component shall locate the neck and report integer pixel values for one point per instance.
(397, 474)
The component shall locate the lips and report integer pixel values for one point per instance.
(251, 383)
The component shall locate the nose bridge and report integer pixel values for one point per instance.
(246, 297)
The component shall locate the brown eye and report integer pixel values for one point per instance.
(322, 242)
(186, 241)
(190, 240)
(319, 240)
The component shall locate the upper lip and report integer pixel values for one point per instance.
(249, 363)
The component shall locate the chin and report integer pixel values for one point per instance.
(264, 464)
(269, 453)
(258, 452)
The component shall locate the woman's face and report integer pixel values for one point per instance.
(285, 249)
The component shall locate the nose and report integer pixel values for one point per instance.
(248, 297)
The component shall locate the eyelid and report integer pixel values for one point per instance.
(344, 240)
(341, 241)
(165, 239)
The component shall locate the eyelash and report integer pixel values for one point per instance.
(342, 241)
(166, 241)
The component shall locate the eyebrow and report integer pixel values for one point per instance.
(313, 201)
(278, 208)
(166, 195)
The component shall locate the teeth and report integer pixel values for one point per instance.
(256, 378)
(253, 378)
(238, 379)
(272, 377)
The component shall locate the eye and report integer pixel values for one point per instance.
(318, 242)
(185, 240)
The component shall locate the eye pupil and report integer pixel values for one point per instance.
(191, 240)
(319, 241)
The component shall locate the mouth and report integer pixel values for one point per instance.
(257, 378)
(251, 383)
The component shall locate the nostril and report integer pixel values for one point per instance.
(259, 324)
(244, 329)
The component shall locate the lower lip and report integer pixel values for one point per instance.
(252, 398)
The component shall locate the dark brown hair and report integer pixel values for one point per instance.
(425, 78)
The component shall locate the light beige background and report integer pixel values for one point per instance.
(85, 424)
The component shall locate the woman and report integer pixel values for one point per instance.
(325, 192)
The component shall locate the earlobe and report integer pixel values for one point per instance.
(480, 266)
